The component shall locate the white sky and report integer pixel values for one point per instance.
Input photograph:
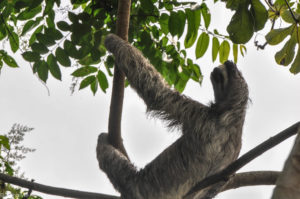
(66, 127)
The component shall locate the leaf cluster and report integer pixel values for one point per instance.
(156, 28)
(11, 152)
(290, 14)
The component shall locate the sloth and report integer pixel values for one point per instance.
(211, 134)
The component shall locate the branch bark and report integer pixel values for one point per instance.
(253, 178)
(225, 174)
(53, 190)
(117, 96)
(288, 183)
(237, 181)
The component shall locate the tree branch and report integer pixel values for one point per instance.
(288, 183)
(225, 174)
(251, 179)
(117, 96)
(237, 181)
(54, 190)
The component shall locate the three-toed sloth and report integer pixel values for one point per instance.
(211, 135)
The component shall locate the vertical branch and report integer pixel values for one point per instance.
(288, 183)
(116, 104)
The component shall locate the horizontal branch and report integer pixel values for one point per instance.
(239, 180)
(53, 190)
(245, 159)
(252, 178)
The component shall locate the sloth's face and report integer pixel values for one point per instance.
(219, 80)
(219, 76)
(223, 77)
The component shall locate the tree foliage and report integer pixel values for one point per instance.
(50, 42)
(11, 152)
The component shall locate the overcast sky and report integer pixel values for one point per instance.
(66, 127)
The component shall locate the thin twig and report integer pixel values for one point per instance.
(292, 13)
(54, 190)
(270, 5)
(245, 159)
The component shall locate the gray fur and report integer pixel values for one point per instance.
(211, 136)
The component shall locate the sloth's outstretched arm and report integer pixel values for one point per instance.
(143, 77)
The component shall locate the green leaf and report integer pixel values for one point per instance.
(287, 16)
(73, 17)
(53, 33)
(4, 142)
(147, 5)
(102, 81)
(146, 38)
(173, 23)
(181, 22)
(70, 48)
(163, 22)
(224, 51)
(50, 19)
(50, 22)
(48, 8)
(193, 18)
(31, 56)
(110, 61)
(53, 66)
(10, 61)
(286, 54)
(64, 26)
(241, 26)
(44, 39)
(29, 25)
(14, 41)
(29, 13)
(87, 81)
(206, 15)
(8, 169)
(3, 33)
(295, 68)
(243, 50)
(234, 4)
(94, 86)
(33, 36)
(39, 48)
(95, 54)
(202, 45)
(83, 52)
(80, 29)
(97, 38)
(84, 17)
(84, 71)
(235, 52)
(88, 60)
(42, 70)
(21, 4)
(180, 84)
(276, 36)
(35, 3)
(57, 2)
(176, 23)
(259, 13)
(62, 57)
(215, 48)
(196, 72)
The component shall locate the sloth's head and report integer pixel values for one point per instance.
(220, 79)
